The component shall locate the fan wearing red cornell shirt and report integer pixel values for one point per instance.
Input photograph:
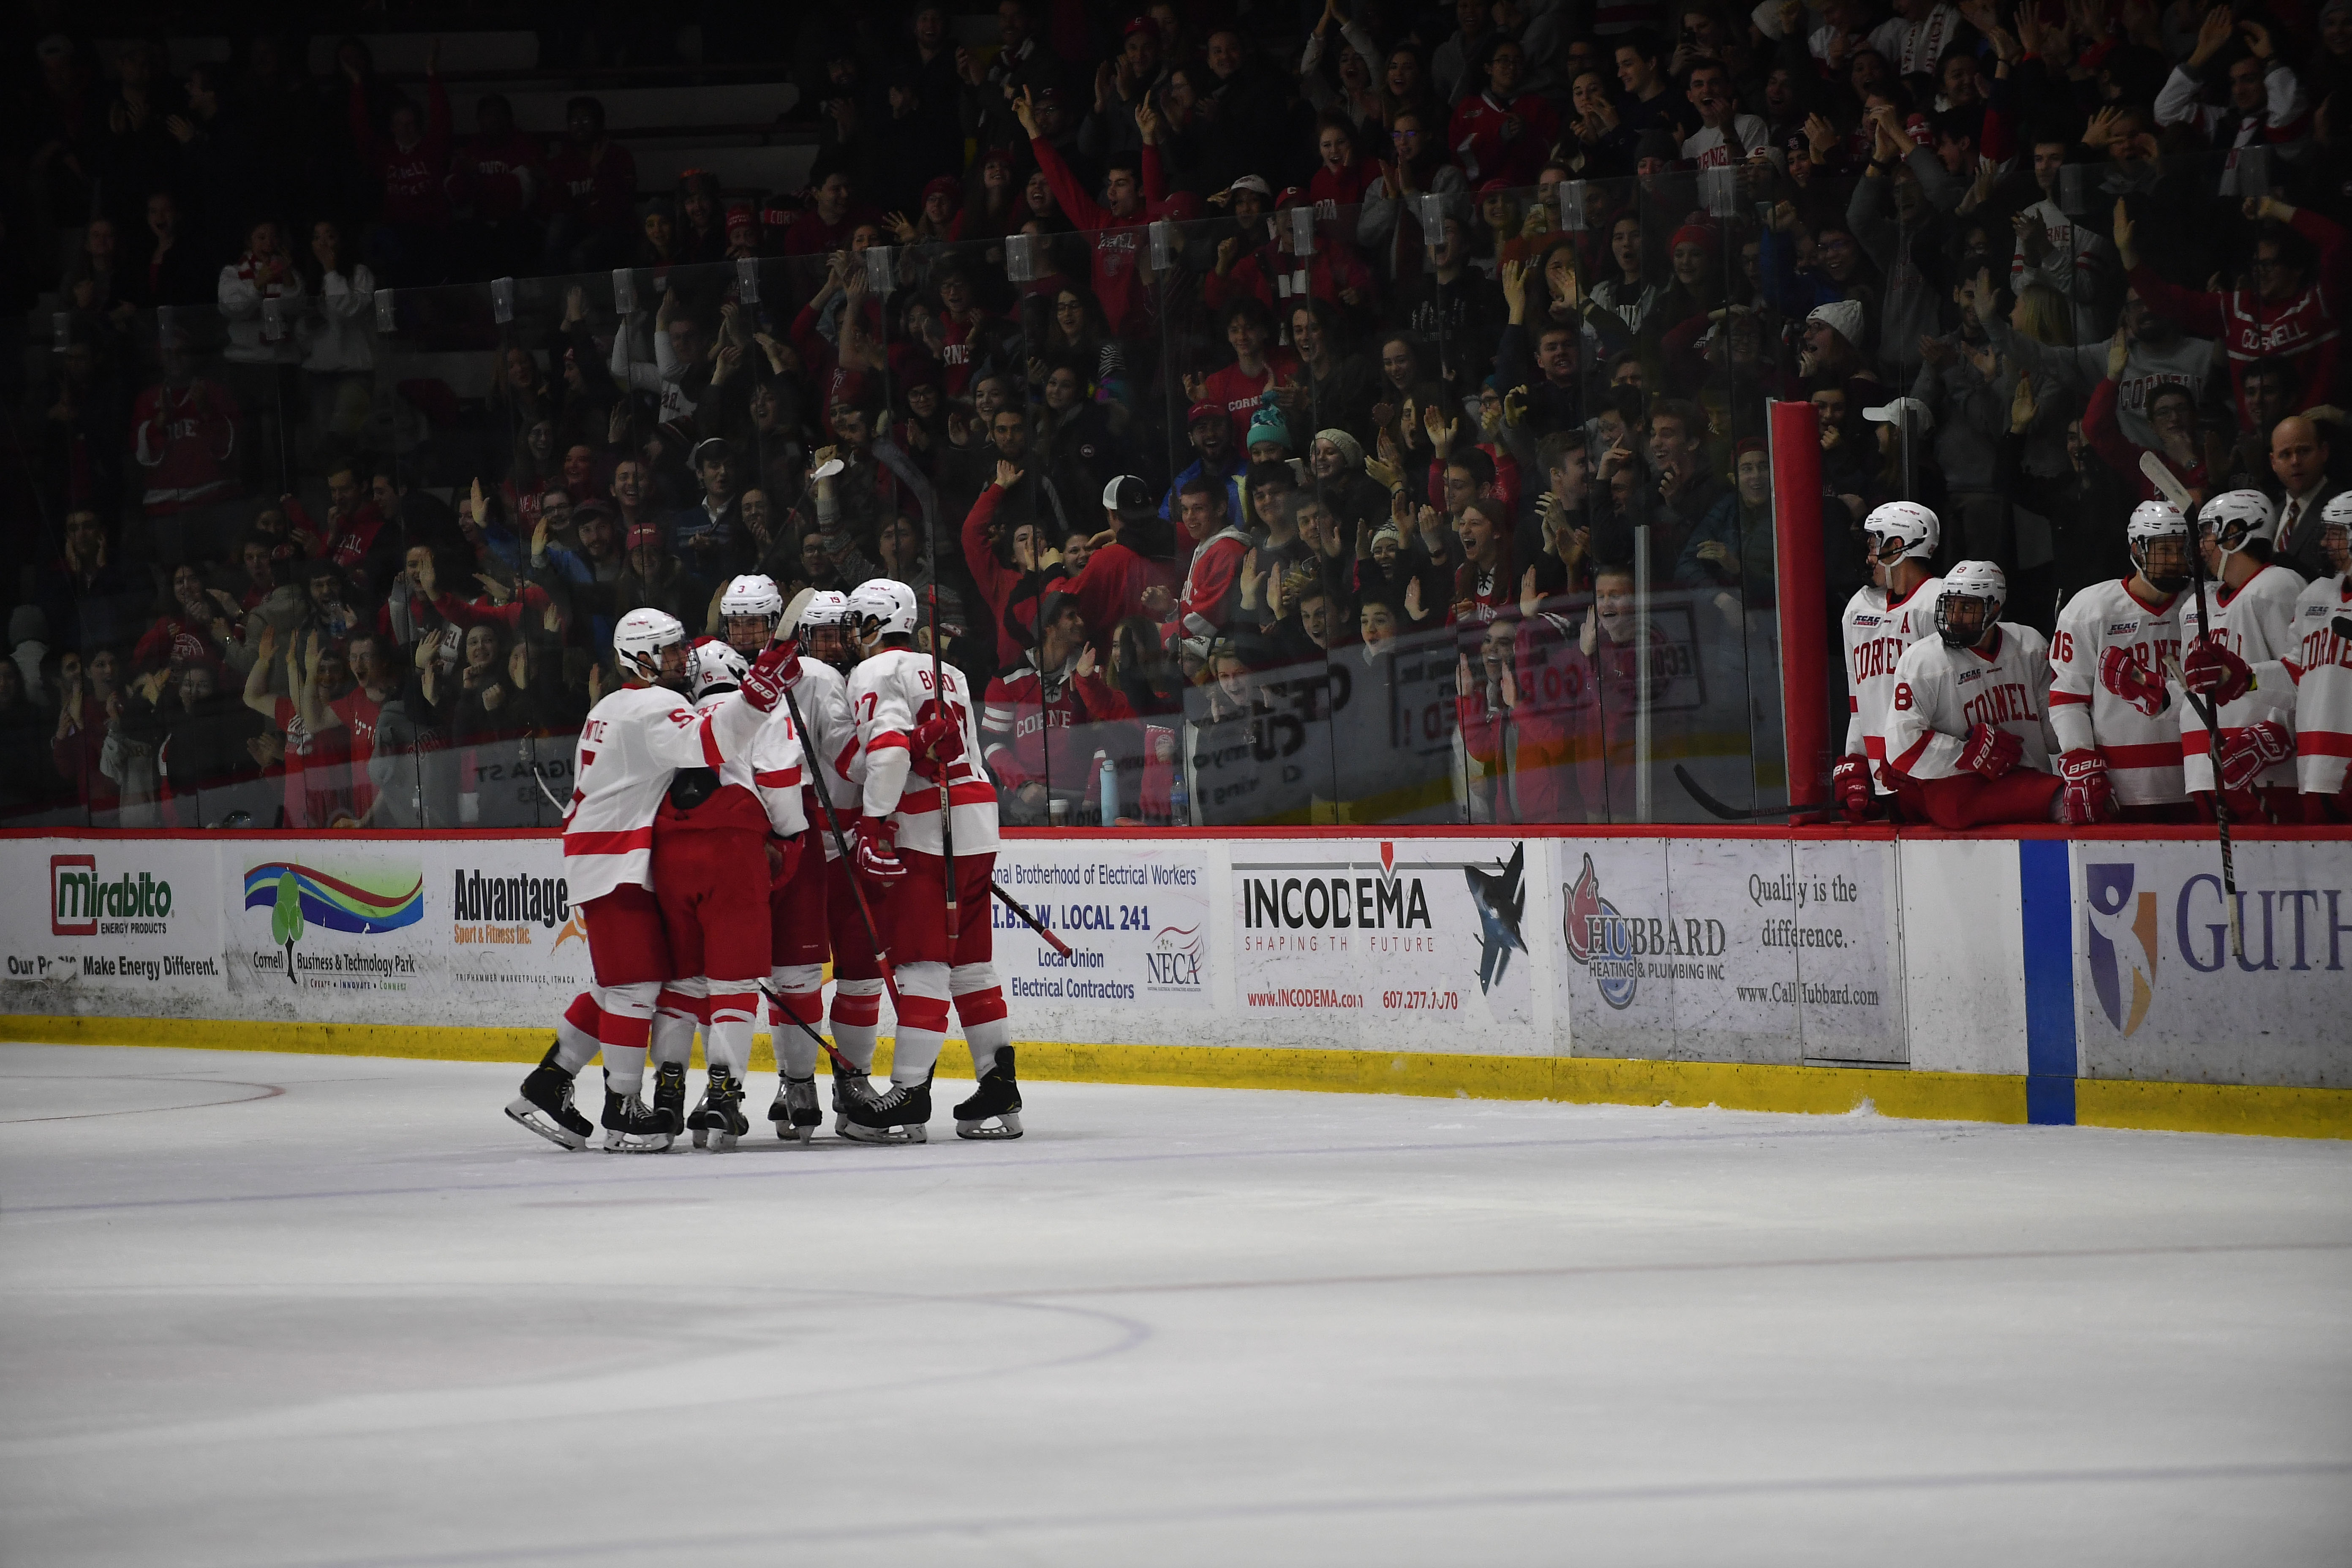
(928, 807)
(634, 740)
(1501, 134)
(2287, 312)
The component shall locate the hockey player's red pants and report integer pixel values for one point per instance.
(626, 944)
(713, 889)
(799, 923)
(1970, 800)
(917, 910)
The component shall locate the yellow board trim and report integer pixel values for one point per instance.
(1821, 1091)
(2272, 1111)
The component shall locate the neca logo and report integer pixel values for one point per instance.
(78, 899)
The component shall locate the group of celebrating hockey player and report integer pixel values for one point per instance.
(747, 811)
(2160, 689)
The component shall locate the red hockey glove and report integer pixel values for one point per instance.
(1990, 752)
(2121, 672)
(2087, 797)
(777, 672)
(878, 851)
(938, 738)
(784, 860)
(2248, 751)
(1850, 782)
(2216, 674)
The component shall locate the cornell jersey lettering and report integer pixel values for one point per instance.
(2322, 672)
(1941, 693)
(2142, 750)
(1878, 633)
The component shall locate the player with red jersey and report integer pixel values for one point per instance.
(632, 743)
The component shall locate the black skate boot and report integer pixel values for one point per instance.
(995, 1109)
(718, 1121)
(669, 1094)
(631, 1128)
(847, 1089)
(895, 1117)
(795, 1110)
(545, 1106)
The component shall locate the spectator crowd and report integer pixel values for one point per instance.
(1283, 415)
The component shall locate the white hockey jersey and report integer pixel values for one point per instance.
(772, 768)
(2142, 753)
(1941, 693)
(2256, 623)
(1876, 634)
(2321, 668)
(633, 741)
(831, 746)
(890, 692)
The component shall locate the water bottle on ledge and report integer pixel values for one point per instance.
(1107, 788)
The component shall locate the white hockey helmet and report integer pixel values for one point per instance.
(881, 607)
(1901, 531)
(640, 639)
(1971, 582)
(2152, 521)
(712, 665)
(825, 607)
(752, 596)
(2335, 532)
(2237, 517)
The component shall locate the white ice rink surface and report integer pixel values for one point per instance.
(262, 1310)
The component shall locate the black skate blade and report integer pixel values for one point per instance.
(529, 1115)
(992, 1129)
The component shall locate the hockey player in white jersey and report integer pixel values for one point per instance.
(812, 918)
(1880, 622)
(2245, 620)
(633, 741)
(2322, 675)
(921, 744)
(2318, 667)
(1968, 734)
(2118, 738)
(716, 835)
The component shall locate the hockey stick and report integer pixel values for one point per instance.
(841, 843)
(842, 1065)
(1032, 921)
(946, 808)
(2177, 494)
(1715, 807)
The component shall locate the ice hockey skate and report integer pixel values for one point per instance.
(994, 1108)
(545, 1106)
(669, 1095)
(795, 1110)
(718, 1122)
(898, 1116)
(855, 1087)
(631, 1127)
